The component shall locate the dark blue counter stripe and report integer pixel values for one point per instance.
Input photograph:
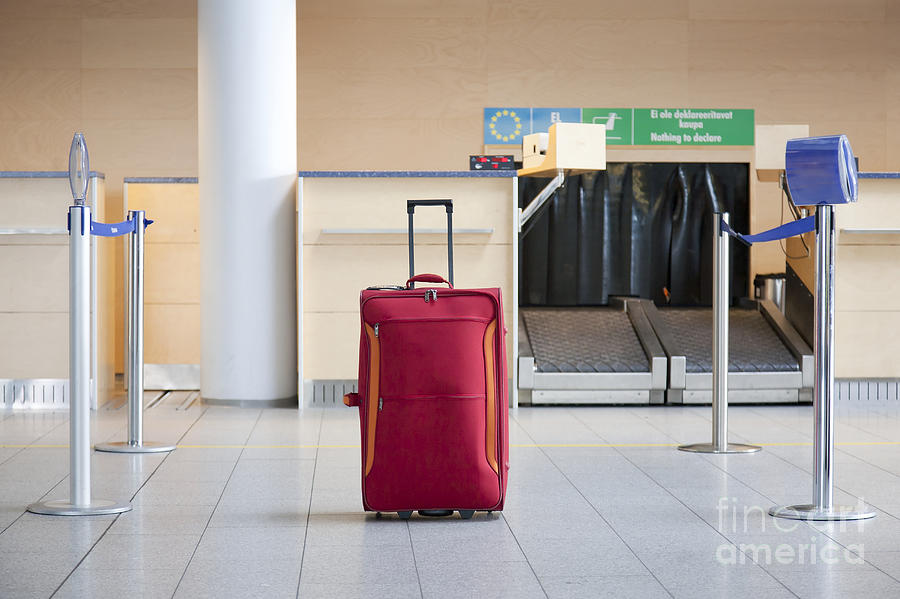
(879, 175)
(160, 179)
(43, 175)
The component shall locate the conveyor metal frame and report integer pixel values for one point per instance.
(743, 387)
(603, 387)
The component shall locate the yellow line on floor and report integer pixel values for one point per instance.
(517, 445)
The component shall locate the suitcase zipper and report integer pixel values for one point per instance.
(376, 329)
(447, 292)
(380, 403)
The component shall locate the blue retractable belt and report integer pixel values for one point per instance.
(115, 229)
(797, 227)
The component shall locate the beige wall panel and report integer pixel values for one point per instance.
(138, 8)
(596, 43)
(392, 43)
(331, 345)
(893, 10)
(34, 278)
(865, 344)
(876, 208)
(44, 43)
(891, 44)
(172, 273)
(609, 9)
(35, 345)
(40, 94)
(308, 9)
(892, 91)
(802, 258)
(175, 208)
(389, 144)
(565, 86)
(771, 143)
(860, 281)
(768, 211)
(867, 138)
(139, 94)
(36, 145)
(120, 145)
(172, 334)
(35, 203)
(40, 9)
(792, 96)
(375, 203)
(115, 213)
(383, 93)
(333, 276)
(786, 46)
(172, 259)
(892, 152)
(139, 43)
(779, 10)
(109, 281)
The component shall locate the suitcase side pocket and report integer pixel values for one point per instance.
(372, 395)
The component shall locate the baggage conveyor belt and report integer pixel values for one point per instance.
(590, 355)
(768, 361)
(633, 352)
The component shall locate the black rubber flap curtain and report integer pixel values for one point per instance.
(636, 229)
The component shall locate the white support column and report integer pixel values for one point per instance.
(247, 94)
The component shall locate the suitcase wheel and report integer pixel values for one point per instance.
(466, 514)
(404, 515)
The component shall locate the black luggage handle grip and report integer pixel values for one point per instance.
(411, 210)
(411, 205)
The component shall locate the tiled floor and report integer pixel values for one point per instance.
(265, 503)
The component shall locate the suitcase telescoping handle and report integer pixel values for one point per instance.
(411, 210)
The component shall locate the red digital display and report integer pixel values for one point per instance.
(481, 162)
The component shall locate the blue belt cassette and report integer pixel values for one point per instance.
(821, 170)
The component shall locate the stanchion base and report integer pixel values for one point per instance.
(812, 512)
(97, 507)
(711, 448)
(126, 447)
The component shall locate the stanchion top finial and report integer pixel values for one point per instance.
(79, 168)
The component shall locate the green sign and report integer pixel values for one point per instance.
(692, 127)
(673, 126)
(628, 126)
(619, 123)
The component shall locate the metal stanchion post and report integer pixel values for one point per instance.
(822, 507)
(135, 442)
(80, 502)
(721, 300)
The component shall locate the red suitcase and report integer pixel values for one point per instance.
(432, 398)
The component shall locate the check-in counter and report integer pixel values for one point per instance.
(867, 279)
(353, 235)
(34, 304)
(353, 228)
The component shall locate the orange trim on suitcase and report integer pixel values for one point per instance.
(372, 407)
(490, 396)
